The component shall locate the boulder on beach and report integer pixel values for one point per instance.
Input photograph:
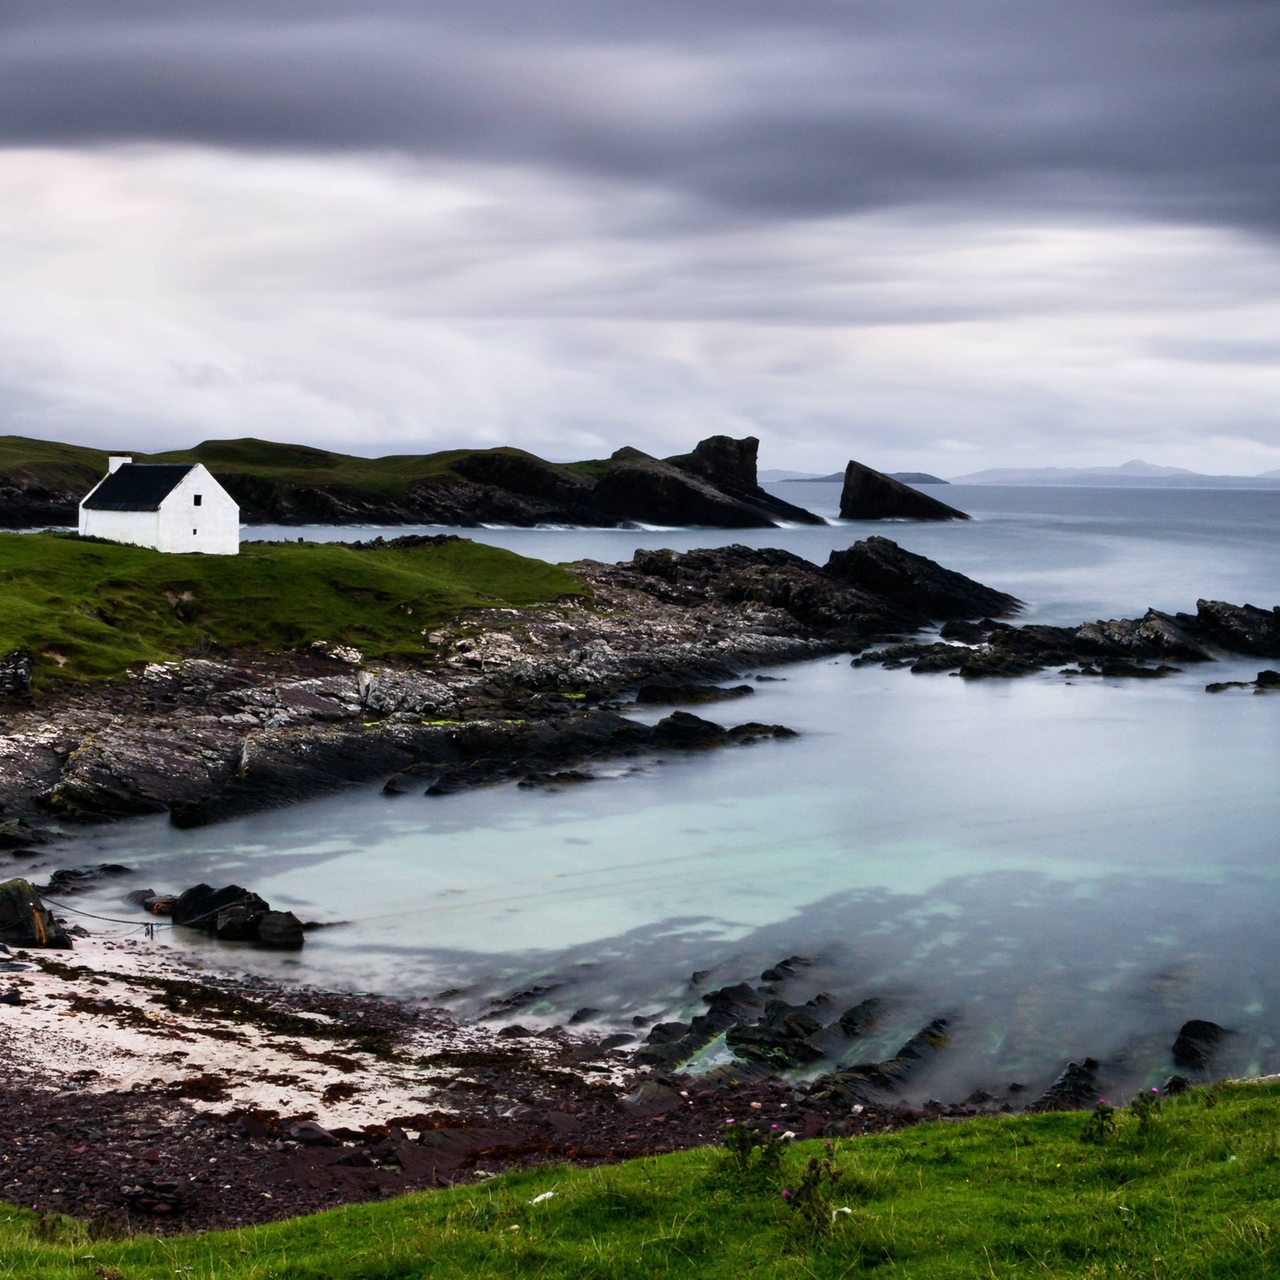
(25, 921)
(235, 914)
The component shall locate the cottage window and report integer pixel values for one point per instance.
(195, 502)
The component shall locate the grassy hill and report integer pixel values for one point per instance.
(87, 609)
(385, 478)
(1185, 1188)
(389, 478)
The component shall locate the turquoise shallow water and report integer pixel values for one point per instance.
(1061, 868)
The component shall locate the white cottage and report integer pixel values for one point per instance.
(166, 506)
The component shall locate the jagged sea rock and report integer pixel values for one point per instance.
(1238, 628)
(868, 1081)
(871, 495)
(1075, 1088)
(714, 486)
(914, 584)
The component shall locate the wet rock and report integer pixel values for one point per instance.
(232, 914)
(685, 731)
(1238, 628)
(1196, 1043)
(785, 969)
(781, 1038)
(651, 1098)
(311, 1134)
(1074, 1089)
(868, 1081)
(871, 495)
(24, 919)
(73, 879)
(914, 583)
(200, 906)
(673, 690)
(862, 1017)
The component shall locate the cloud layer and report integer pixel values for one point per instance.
(925, 234)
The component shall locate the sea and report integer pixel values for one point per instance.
(1060, 867)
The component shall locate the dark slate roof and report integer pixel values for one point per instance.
(137, 486)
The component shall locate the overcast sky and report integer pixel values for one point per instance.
(927, 234)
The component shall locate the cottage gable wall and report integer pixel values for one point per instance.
(197, 514)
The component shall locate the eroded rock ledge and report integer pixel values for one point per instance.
(527, 694)
(506, 690)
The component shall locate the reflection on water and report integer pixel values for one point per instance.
(1062, 868)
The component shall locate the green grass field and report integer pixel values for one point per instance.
(86, 610)
(1189, 1193)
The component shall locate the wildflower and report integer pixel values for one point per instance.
(787, 1194)
(546, 1195)
(788, 1136)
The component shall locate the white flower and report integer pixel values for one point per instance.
(835, 1213)
(546, 1195)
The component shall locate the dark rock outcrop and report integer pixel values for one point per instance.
(15, 676)
(671, 689)
(872, 495)
(1238, 628)
(1136, 648)
(871, 1081)
(1075, 1088)
(715, 485)
(74, 879)
(914, 584)
(1196, 1043)
(30, 503)
(25, 921)
(234, 914)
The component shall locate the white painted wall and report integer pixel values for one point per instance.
(211, 526)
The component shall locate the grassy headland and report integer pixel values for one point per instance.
(1185, 1188)
(86, 609)
(81, 467)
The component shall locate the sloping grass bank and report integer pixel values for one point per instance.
(86, 610)
(1188, 1189)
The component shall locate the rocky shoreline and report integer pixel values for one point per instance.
(373, 1097)
(141, 1092)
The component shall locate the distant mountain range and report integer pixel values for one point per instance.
(1134, 474)
(804, 477)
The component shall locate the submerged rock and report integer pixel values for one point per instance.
(1196, 1043)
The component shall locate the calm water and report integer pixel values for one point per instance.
(1061, 868)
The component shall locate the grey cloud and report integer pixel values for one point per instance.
(1153, 107)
